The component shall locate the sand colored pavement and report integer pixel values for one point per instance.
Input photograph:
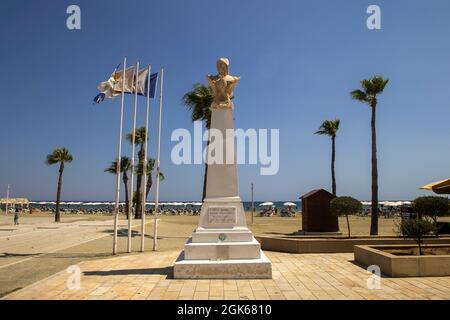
(295, 276)
(39, 235)
(38, 252)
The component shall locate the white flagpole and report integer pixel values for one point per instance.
(253, 205)
(133, 140)
(7, 200)
(155, 224)
(119, 156)
(144, 168)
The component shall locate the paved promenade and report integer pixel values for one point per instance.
(295, 276)
(39, 236)
(38, 247)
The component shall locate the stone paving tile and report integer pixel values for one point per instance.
(295, 276)
(199, 295)
(231, 295)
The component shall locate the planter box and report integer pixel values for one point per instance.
(306, 244)
(403, 266)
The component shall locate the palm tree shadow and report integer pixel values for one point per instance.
(134, 233)
(11, 255)
(167, 271)
(123, 232)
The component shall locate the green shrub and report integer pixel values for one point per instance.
(432, 206)
(345, 206)
(416, 228)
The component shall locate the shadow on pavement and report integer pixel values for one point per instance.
(134, 233)
(167, 271)
(11, 255)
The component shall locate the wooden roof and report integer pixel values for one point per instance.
(312, 192)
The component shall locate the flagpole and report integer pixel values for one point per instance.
(155, 224)
(133, 140)
(253, 205)
(144, 168)
(119, 156)
(7, 200)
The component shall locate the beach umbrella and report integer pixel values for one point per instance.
(268, 203)
(289, 204)
(439, 187)
(391, 204)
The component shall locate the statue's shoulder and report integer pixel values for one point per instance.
(232, 79)
(212, 78)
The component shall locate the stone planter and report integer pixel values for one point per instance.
(405, 265)
(309, 244)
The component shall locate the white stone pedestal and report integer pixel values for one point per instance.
(222, 247)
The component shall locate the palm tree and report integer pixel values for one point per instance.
(139, 140)
(61, 156)
(198, 101)
(150, 168)
(330, 128)
(371, 88)
(125, 166)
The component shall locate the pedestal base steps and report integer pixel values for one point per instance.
(223, 269)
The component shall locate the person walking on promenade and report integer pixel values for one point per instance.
(16, 217)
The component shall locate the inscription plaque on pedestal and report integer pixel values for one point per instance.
(218, 216)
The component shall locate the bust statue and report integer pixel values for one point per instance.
(222, 85)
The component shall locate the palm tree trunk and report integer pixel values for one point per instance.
(348, 226)
(204, 181)
(374, 217)
(205, 175)
(127, 197)
(149, 185)
(333, 159)
(58, 193)
(137, 214)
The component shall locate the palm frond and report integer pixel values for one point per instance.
(125, 165)
(59, 155)
(359, 95)
(371, 88)
(379, 83)
(139, 137)
(329, 128)
(198, 101)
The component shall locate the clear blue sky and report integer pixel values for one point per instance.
(298, 61)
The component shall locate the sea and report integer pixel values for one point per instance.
(107, 205)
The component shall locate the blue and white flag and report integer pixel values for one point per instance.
(143, 83)
(99, 98)
(113, 86)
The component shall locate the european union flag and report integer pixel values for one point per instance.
(153, 81)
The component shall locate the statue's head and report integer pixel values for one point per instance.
(222, 66)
